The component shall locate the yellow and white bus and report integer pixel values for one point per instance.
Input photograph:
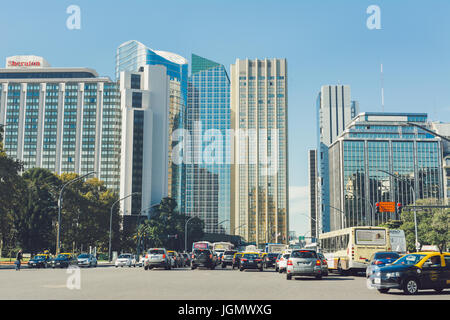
(347, 250)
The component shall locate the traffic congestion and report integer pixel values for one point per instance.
(360, 251)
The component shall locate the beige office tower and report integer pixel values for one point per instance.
(259, 174)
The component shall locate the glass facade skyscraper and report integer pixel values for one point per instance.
(335, 110)
(259, 176)
(372, 145)
(132, 55)
(207, 185)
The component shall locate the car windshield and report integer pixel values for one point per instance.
(171, 253)
(304, 254)
(39, 258)
(124, 256)
(409, 259)
(156, 251)
(272, 255)
(286, 256)
(251, 256)
(387, 255)
(83, 256)
(62, 256)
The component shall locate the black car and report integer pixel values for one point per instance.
(203, 258)
(39, 261)
(414, 272)
(251, 260)
(227, 258)
(270, 260)
(64, 260)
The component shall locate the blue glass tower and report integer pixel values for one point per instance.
(132, 55)
(208, 118)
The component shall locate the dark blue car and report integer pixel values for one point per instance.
(380, 259)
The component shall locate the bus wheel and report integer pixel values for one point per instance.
(341, 271)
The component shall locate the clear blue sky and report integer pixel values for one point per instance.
(325, 42)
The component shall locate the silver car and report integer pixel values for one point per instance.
(157, 258)
(86, 260)
(126, 259)
(304, 263)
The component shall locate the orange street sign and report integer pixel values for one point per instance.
(387, 207)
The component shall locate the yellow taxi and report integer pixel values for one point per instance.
(414, 272)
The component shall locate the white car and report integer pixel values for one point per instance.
(126, 259)
(282, 263)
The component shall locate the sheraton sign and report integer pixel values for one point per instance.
(12, 63)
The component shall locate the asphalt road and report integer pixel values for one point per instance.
(181, 284)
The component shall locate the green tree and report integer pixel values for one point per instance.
(432, 225)
(12, 190)
(37, 223)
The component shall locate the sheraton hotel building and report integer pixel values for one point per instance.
(73, 120)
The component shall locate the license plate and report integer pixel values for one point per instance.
(377, 280)
(251, 261)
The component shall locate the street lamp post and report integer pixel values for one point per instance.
(411, 188)
(185, 233)
(372, 215)
(110, 220)
(58, 241)
(342, 212)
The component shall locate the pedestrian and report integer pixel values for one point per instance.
(19, 260)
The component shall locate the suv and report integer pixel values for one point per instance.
(203, 258)
(227, 258)
(157, 258)
(304, 263)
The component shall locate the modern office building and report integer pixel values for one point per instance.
(443, 129)
(61, 119)
(313, 196)
(335, 110)
(366, 159)
(145, 135)
(132, 55)
(207, 173)
(259, 176)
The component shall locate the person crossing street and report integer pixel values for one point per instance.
(19, 260)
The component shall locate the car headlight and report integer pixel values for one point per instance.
(393, 274)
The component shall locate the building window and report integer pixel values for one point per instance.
(136, 101)
(135, 81)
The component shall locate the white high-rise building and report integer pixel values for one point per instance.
(145, 137)
(60, 119)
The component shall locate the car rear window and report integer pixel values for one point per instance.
(202, 252)
(387, 255)
(304, 254)
(156, 252)
(227, 253)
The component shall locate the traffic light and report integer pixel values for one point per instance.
(378, 207)
(399, 208)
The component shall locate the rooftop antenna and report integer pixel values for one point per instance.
(382, 89)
